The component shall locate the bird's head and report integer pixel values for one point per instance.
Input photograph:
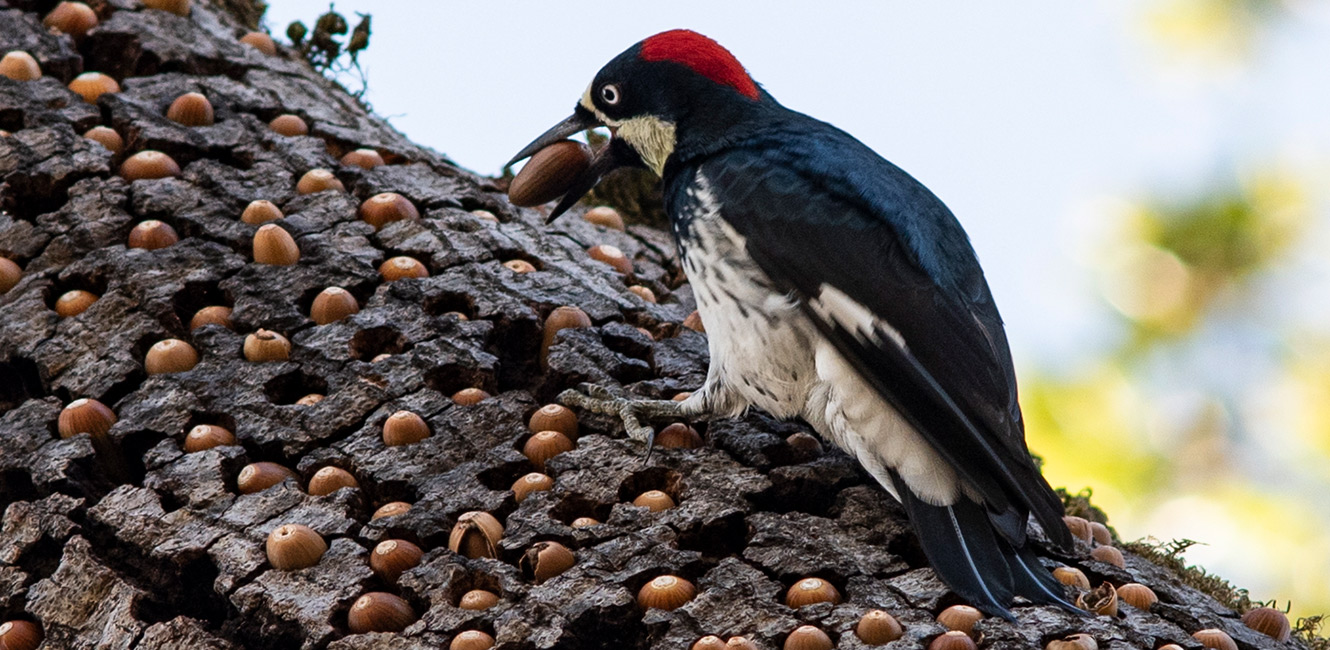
(677, 91)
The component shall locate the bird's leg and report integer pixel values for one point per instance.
(633, 412)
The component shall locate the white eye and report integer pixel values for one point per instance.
(609, 93)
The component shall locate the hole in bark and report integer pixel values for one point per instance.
(94, 283)
(578, 505)
(517, 345)
(502, 477)
(206, 417)
(445, 302)
(373, 341)
(195, 296)
(290, 387)
(472, 581)
(19, 381)
(450, 378)
(652, 478)
(718, 538)
(16, 485)
(505, 255)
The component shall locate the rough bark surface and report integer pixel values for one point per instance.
(134, 543)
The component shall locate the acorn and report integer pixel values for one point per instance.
(151, 235)
(960, 618)
(1137, 595)
(391, 509)
(740, 643)
(107, 137)
(547, 560)
(207, 436)
(289, 125)
(191, 109)
(549, 174)
(73, 303)
(533, 482)
(470, 397)
(309, 400)
(397, 268)
(685, 395)
(1170, 646)
(380, 357)
(20, 635)
(519, 266)
(643, 292)
(1268, 621)
(391, 557)
(20, 66)
(561, 318)
(331, 305)
(382, 209)
(878, 628)
(613, 256)
(1079, 527)
(584, 522)
(261, 211)
(694, 322)
(1110, 555)
(10, 274)
(809, 591)
(554, 417)
(362, 158)
(177, 7)
(709, 642)
(211, 315)
(472, 640)
(1073, 642)
(804, 446)
(679, 436)
(478, 599)
(542, 446)
(264, 345)
(85, 415)
(170, 355)
(147, 165)
(953, 640)
(606, 216)
(666, 592)
(294, 546)
(485, 215)
(807, 637)
(261, 42)
(404, 428)
(476, 534)
(273, 245)
(1213, 638)
(1102, 600)
(73, 18)
(91, 85)
(257, 477)
(1100, 533)
(1072, 577)
(654, 500)
(379, 612)
(318, 180)
(331, 479)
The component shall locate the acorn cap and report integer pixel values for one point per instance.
(554, 417)
(397, 268)
(391, 509)
(382, 209)
(289, 125)
(392, 557)
(152, 235)
(177, 7)
(107, 137)
(694, 322)
(878, 628)
(643, 292)
(207, 436)
(533, 482)
(191, 109)
(20, 635)
(260, 212)
(1137, 595)
(91, 85)
(170, 355)
(583, 522)
(318, 180)
(20, 66)
(666, 592)
(1102, 600)
(261, 42)
(294, 546)
(273, 245)
(73, 303)
(10, 274)
(807, 637)
(404, 428)
(476, 534)
(331, 479)
(1110, 555)
(379, 612)
(147, 165)
(485, 215)
(85, 415)
(73, 18)
(544, 445)
(546, 560)
(519, 266)
(1268, 621)
(604, 216)
(559, 319)
(1073, 642)
(331, 305)
(211, 315)
(470, 397)
(257, 477)
(478, 599)
(362, 158)
(809, 591)
(472, 640)
(1214, 638)
(679, 436)
(265, 345)
(1072, 577)
(952, 640)
(960, 618)
(549, 173)
(1079, 527)
(654, 500)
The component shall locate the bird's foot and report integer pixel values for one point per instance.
(635, 413)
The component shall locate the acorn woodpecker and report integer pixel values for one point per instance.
(836, 288)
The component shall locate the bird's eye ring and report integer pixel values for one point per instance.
(609, 93)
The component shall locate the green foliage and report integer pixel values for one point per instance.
(1169, 556)
(324, 48)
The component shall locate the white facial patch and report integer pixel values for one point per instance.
(652, 137)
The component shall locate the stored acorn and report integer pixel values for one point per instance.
(331, 479)
(606, 216)
(1268, 621)
(1110, 555)
(309, 400)
(666, 592)
(1102, 600)
(1079, 527)
(107, 137)
(148, 165)
(261, 42)
(265, 345)
(85, 415)
(1072, 577)
(20, 635)
(476, 534)
(1137, 595)
(382, 209)
(257, 477)
(679, 436)
(331, 305)
(803, 445)
(170, 355)
(544, 445)
(809, 591)
(318, 180)
(478, 599)
(289, 125)
(531, 483)
(612, 256)
(392, 557)
(470, 396)
(73, 18)
(546, 560)
(273, 245)
(693, 321)
(1073, 642)
(391, 509)
(397, 268)
(549, 174)
(584, 522)
(952, 640)
(643, 292)
(878, 628)
(560, 319)
(485, 215)
(740, 643)
(212, 315)
(207, 436)
(152, 235)
(808, 637)
(10, 274)
(519, 266)
(472, 640)
(379, 612)
(73, 303)
(960, 618)
(1100, 533)
(20, 66)
(295, 546)
(260, 212)
(654, 500)
(91, 85)
(1214, 638)
(554, 417)
(177, 7)
(404, 428)
(709, 642)
(362, 158)
(191, 109)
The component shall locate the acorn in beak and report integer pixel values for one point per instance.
(563, 168)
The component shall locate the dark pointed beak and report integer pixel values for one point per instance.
(616, 153)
